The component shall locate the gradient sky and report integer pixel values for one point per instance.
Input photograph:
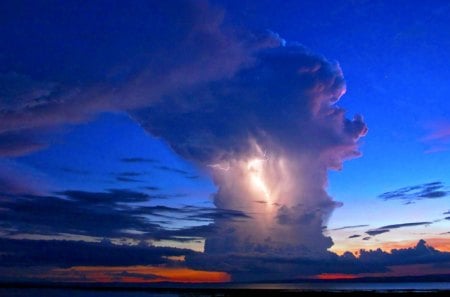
(117, 117)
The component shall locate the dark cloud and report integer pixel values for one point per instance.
(152, 188)
(18, 179)
(447, 212)
(367, 238)
(103, 214)
(57, 253)
(247, 268)
(387, 228)
(75, 171)
(424, 191)
(354, 236)
(119, 276)
(181, 172)
(192, 213)
(17, 143)
(216, 214)
(396, 226)
(130, 173)
(271, 268)
(349, 227)
(138, 160)
(110, 198)
(171, 169)
(187, 234)
(128, 179)
(377, 232)
(420, 254)
(115, 213)
(129, 176)
(130, 70)
(20, 91)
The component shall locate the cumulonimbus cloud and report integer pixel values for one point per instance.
(268, 135)
(259, 115)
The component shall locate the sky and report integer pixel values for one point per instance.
(216, 141)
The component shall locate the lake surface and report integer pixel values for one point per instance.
(235, 290)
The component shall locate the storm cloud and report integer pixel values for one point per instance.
(368, 261)
(257, 113)
(269, 134)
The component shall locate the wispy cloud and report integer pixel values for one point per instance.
(433, 190)
(438, 139)
(138, 160)
(110, 214)
(17, 143)
(129, 176)
(377, 232)
(387, 228)
(128, 179)
(75, 171)
(349, 227)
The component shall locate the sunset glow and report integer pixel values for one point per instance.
(142, 274)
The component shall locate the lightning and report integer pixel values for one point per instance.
(255, 169)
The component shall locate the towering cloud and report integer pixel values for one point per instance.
(268, 135)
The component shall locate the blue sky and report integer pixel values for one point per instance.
(176, 104)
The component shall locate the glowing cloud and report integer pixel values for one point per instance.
(268, 135)
(256, 174)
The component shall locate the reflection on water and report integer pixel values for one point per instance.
(222, 291)
(336, 286)
(79, 293)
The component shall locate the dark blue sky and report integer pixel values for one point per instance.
(154, 100)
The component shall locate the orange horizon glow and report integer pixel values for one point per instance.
(440, 244)
(137, 274)
(333, 276)
(394, 271)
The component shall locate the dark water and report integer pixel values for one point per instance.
(404, 286)
(248, 289)
(78, 293)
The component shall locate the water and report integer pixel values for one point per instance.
(297, 287)
(344, 286)
(15, 292)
